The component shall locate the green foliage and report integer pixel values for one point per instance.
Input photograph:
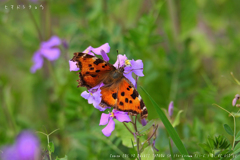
(169, 128)
(217, 147)
(189, 49)
(228, 129)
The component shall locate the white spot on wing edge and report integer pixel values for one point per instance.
(139, 97)
(144, 108)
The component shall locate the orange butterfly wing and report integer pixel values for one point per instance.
(93, 69)
(124, 97)
(119, 94)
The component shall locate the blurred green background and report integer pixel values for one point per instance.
(188, 48)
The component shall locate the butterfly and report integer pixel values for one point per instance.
(118, 92)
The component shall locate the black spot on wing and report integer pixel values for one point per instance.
(130, 101)
(114, 95)
(121, 103)
(94, 75)
(97, 71)
(88, 56)
(89, 65)
(134, 94)
(126, 100)
(87, 72)
(122, 94)
(98, 61)
(91, 68)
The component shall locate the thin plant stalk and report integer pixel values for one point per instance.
(234, 123)
(47, 135)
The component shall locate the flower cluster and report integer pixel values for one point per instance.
(170, 108)
(26, 147)
(48, 50)
(237, 96)
(94, 94)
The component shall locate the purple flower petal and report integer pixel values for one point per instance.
(104, 55)
(100, 108)
(88, 51)
(234, 101)
(122, 117)
(120, 60)
(105, 47)
(85, 95)
(153, 144)
(9, 153)
(53, 41)
(27, 145)
(237, 96)
(104, 119)
(143, 122)
(38, 62)
(129, 77)
(51, 53)
(138, 64)
(137, 67)
(91, 99)
(109, 128)
(73, 66)
(170, 108)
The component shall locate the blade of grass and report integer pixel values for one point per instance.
(173, 134)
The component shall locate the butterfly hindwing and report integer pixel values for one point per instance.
(93, 69)
(124, 98)
(129, 99)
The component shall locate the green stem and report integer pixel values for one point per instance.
(138, 141)
(128, 128)
(234, 123)
(235, 78)
(49, 152)
(34, 22)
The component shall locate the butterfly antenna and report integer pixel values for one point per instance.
(118, 59)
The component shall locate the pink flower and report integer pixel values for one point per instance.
(129, 67)
(235, 99)
(108, 119)
(94, 96)
(26, 147)
(170, 108)
(47, 50)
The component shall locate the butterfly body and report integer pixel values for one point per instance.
(118, 92)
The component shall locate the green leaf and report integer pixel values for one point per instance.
(173, 134)
(237, 138)
(237, 158)
(124, 134)
(211, 143)
(177, 119)
(205, 147)
(51, 147)
(228, 129)
(236, 148)
(170, 147)
(147, 154)
(64, 158)
(145, 128)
